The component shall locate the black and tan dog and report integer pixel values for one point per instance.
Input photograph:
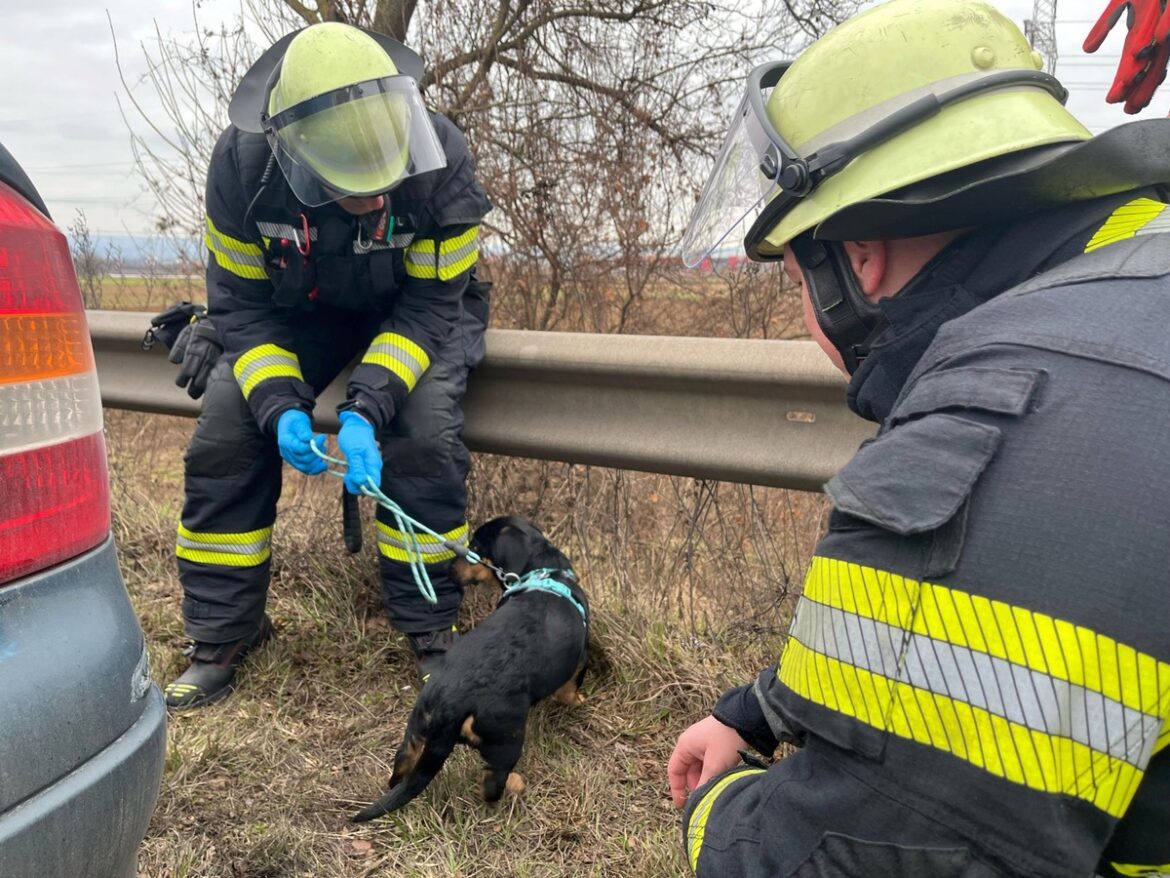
(535, 644)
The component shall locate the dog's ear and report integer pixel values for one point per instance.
(512, 549)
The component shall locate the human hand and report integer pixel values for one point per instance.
(360, 448)
(294, 432)
(704, 750)
(1144, 56)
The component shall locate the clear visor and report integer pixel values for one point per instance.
(363, 139)
(735, 193)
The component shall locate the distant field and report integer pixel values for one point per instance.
(146, 292)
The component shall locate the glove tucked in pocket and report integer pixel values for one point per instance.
(196, 350)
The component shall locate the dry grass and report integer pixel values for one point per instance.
(691, 595)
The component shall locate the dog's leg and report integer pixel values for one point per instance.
(570, 694)
(501, 757)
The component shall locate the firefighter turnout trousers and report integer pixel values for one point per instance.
(233, 481)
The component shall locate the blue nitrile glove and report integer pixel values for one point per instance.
(294, 431)
(361, 451)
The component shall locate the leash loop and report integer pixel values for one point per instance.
(407, 526)
(410, 528)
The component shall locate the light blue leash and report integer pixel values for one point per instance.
(409, 528)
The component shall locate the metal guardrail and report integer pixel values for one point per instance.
(761, 412)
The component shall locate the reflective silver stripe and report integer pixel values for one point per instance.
(368, 246)
(1159, 224)
(423, 548)
(396, 242)
(1016, 693)
(204, 545)
(404, 357)
(421, 257)
(281, 230)
(245, 374)
(453, 257)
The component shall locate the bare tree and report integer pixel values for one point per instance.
(87, 263)
(592, 122)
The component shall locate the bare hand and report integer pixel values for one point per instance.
(704, 750)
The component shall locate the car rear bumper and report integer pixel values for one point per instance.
(89, 823)
(82, 727)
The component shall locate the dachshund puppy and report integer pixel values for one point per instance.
(533, 645)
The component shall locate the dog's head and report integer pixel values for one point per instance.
(513, 544)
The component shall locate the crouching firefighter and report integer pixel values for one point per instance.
(342, 223)
(977, 675)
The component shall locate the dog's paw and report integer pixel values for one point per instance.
(515, 784)
(569, 694)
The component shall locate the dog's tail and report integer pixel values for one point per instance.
(419, 758)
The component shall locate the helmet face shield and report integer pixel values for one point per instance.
(362, 139)
(734, 193)
(739, 185)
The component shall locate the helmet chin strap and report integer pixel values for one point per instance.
(850, 321)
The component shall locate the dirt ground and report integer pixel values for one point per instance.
(692, 585)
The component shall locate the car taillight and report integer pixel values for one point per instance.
(54, 494)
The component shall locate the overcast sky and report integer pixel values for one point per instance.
(63, 124)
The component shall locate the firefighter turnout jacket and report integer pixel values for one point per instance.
(273, 259)
(296, 294)
(979, 666)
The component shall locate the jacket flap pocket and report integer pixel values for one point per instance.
(915, 477)
(1000, 391)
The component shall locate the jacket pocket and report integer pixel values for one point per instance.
(978, 389)
(914, 478)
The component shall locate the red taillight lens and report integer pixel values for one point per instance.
(57, 504)
(54, 496)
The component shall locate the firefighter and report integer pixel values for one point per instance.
(342, 223)
(977, 675)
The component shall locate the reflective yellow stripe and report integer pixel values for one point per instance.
(1034, 700)
(1142, 216)
(421, 259)
(263, 362)
(1034, 640)
(458, 254)
(1012, 751)
(241, 258)
(697, 827)
(247, 549)
(443, 260)
(400, 355)
(394, 544)
(1136, 871)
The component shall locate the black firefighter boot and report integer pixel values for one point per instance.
(428, 646)
(212, 672)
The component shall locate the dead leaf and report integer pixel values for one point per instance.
(359, 847)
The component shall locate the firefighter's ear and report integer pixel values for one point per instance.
(869, 261)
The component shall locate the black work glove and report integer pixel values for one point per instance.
(166, 325)
(196, 349)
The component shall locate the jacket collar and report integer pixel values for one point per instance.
(972, 270)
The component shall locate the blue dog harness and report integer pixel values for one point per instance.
(545, 579)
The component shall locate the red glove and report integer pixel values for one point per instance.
(1145, 54)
